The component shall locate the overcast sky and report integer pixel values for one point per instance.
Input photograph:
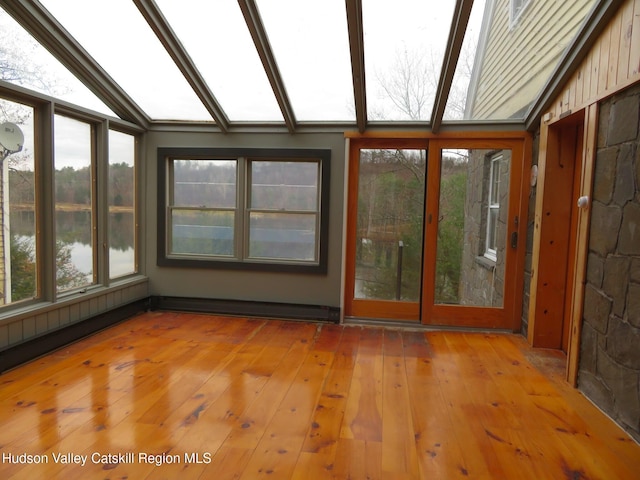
(309, 39)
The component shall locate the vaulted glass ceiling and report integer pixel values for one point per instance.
(284, 62)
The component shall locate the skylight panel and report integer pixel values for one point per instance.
(311, 46)
(404, 47)
(457, 100)
(26, 63)
(117, 36)
(219, 43)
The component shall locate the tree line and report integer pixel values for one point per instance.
(73, 186)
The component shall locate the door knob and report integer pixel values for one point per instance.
(583, 202)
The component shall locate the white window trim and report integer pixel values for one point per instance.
(516, 9)
(492, 253)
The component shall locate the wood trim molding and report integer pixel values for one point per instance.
(582, 245)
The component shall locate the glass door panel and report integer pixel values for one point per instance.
(386, 219)
(389, 224)
(472, 227)
(473, 258)
(436, 235)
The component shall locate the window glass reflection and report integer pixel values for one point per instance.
(124, 45)
(18, 252)
(27, 63)
(122, 199)
(73, 204)
(472, 227)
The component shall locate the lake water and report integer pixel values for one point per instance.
(74, 233)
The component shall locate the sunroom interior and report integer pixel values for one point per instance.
(469, 166)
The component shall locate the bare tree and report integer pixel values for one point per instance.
(411, 83)
(21, 64)
(412, 80)
(457, 100)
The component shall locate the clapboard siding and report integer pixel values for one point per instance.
(25, 326)
(518, 60)
(612, 64)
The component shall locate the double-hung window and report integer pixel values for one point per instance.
(202, 207)
(283, 210)
(264, 209)
(493, 208)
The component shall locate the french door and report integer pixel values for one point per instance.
(435, 230)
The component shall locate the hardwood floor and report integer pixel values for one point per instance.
(187, 396)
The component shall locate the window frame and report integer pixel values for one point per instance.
(493, 188)
(516, 9)
(94, 133)
(241, 259)
(135, 194)
(35, 154)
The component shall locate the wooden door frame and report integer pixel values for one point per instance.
(360, 308)
(548, 312)
(510, 315)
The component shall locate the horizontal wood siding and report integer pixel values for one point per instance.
(612, 64)
(518, 60)
(26, 326)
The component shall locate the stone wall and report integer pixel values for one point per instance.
(609, 370)
(481, 278)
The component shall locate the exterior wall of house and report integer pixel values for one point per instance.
(482, 279)
(612, 64)
(518, 59)
(609, 371)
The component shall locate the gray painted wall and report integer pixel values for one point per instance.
(307, 289)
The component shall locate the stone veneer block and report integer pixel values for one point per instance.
(624, 188)
(630, 230)
(633, 305)
(605, 172)
(623, 120)
(593, 387)
(634, 272)
(595, 272)
(605, 223)
(623, 383)
(622, 344)
(597, 308)
(616, 281)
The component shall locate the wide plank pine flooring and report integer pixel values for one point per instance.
(236, 398)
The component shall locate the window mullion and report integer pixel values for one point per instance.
(100, 207)
(242, 209)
